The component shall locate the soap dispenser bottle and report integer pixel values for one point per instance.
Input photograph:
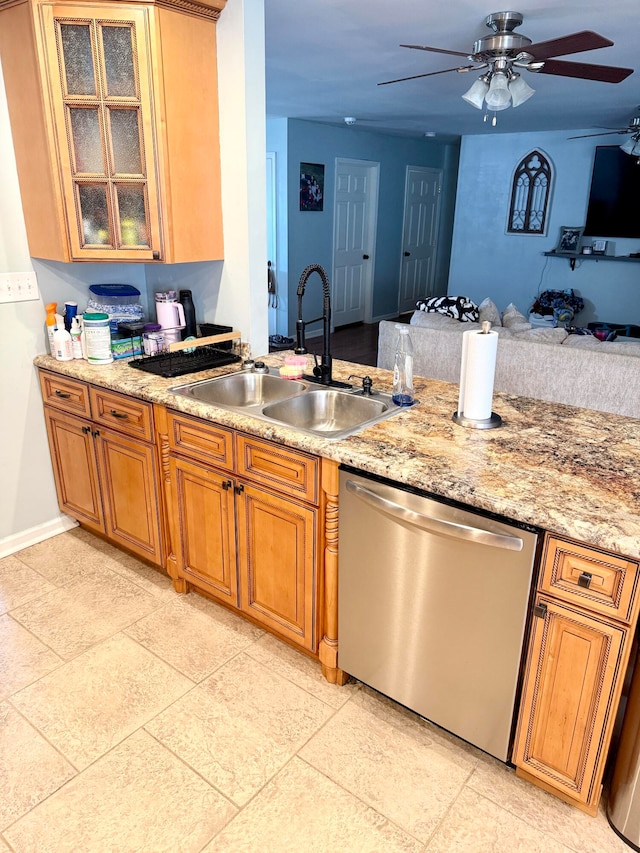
(403, 368)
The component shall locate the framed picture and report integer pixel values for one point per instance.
(599, 247)
(311, 186)
(569, 242)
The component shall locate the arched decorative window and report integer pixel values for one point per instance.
(530, 195)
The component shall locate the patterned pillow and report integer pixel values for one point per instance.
(458, 307)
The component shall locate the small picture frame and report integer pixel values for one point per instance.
(599, 247)
(311, 186)
(569, 242)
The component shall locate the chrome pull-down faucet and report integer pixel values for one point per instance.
(322, 371)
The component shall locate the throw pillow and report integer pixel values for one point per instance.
(514, 319)
(458, 307)
(488, 310)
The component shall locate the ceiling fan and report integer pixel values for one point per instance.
(504, 51)
(631, 146)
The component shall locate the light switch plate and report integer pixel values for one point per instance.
(18, 287)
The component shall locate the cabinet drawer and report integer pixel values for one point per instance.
(126, 414)
(205, 442)
(596, 580)
(68, 394)
(289, 471)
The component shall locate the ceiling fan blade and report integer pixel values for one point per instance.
(574, 43)
(586, 71)
(606, 133)
(434, 49)
(433, 73)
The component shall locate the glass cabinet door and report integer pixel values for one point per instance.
(99, 66)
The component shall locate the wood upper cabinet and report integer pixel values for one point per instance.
(114, 117)
(106, 479)
(584, 615)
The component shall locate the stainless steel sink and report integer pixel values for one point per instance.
(327, 412)
(240, 390)
(301, 405)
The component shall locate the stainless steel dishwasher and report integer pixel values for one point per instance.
(433, 604)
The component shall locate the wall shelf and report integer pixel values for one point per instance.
(573, 256)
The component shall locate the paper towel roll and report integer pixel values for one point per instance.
(477, 373)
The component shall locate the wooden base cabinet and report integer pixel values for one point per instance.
(249, 545)
(575, 668)
(106, 479)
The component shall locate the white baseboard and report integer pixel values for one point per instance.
(379, 317)
(18, 541)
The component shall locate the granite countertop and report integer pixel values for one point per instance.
(574, 472)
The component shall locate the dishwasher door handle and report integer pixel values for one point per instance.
(435, 525)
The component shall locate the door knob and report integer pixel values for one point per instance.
(407, 254)
(365, 257)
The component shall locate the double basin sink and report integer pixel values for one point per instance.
(300, 404)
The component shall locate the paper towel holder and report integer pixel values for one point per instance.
(477, 423)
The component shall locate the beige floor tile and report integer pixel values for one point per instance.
(194, 635)
(301, 810)
(75, 617)
(30, 768)
(565, 823)
(19, 583)
(399, 765)
(92, 703)
(240, 726)
(62, 558)
(140, 797)
(478, 825)
(301, 670)
(23, 658)
(151, 579)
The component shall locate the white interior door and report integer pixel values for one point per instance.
(354, 230)
(419, 235)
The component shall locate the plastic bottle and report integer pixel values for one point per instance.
(76, 338)
(70, 311)
(190, 330)
(51, 325)
(403, 368)
(62, 344)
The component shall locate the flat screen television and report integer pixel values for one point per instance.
(614, 209)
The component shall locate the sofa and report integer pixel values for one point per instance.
(541, 361)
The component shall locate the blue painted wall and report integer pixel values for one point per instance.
(310, 234)
(486, 261)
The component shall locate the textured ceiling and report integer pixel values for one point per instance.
(325, 57)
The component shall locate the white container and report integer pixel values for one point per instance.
(62, 345)
(76, 338)
(97, 338)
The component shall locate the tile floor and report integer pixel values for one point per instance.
(135, 719)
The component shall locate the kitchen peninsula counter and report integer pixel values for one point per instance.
(574, 472)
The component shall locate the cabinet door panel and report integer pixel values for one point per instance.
(572, 682)
(203, 501)
(277, 550)
(74, 467)
(129, 487)
(102, 97)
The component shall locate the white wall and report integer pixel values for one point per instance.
(486, 261)
(233, 292)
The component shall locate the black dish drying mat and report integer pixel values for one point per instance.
(170, 364)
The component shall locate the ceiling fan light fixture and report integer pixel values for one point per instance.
(476, 94)
(520, 90)
(498, 97)
(632, 146)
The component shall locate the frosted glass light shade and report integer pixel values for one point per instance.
(476, 94)
(498, 97)
(632, 146)
(520, 90)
